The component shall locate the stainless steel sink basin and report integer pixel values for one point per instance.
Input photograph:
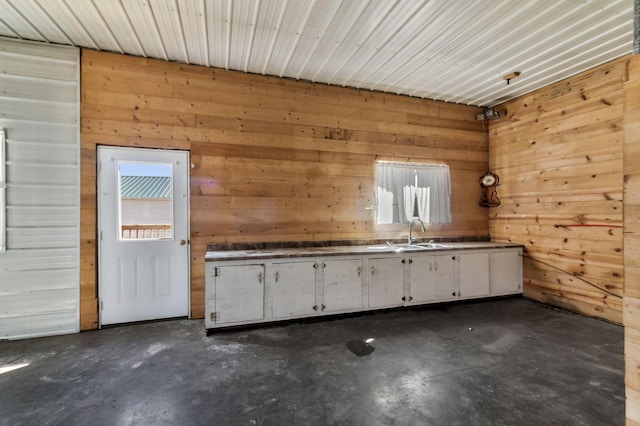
(382, 248)
(434, 246)
(397, 247)
(409, 247)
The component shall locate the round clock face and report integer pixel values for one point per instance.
(488, 180)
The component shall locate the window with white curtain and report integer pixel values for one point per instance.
(3, 195)
(405, 191)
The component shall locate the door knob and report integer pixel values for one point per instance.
(183, 242)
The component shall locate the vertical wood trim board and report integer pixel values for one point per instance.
(559, 156)
(273, 159)
(631, 313)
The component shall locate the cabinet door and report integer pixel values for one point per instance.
(342, 284)
(473, 274)
(294, 289)
(506, 272)
(386, 282)
(432, 278)
(239, 293)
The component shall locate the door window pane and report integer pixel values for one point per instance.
(145, 201)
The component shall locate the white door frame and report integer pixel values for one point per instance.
(99, 221)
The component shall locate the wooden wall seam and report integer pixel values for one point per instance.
(631, 308)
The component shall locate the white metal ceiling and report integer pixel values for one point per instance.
(450, 50)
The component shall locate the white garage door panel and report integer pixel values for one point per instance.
(38, 302)
(25, 238)
(29, 325)
(56, 133)
(39, 216)
(37, 196)
(38, 260)
(36, 89)
(38, 174)
(39, 111)
(37, 67)
(48, 279)
(45, 153)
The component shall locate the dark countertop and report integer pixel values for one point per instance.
(357, 250)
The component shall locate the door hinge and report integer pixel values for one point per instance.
(215, 316)
(101, 305)
(216, 272)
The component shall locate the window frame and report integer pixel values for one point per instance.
(398, 176)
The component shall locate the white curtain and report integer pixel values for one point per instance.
(423, 199)
(437, 178)
(391, 182)
(402, 189)
(385, 205)
(416, 200)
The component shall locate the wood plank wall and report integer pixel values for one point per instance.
(274, 159)
(559, 156)
(632, 240)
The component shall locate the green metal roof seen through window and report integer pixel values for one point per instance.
(145, 187)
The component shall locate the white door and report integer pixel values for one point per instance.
(143, 219)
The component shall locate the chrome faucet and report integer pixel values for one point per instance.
(411, 239)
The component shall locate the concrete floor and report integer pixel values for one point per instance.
(501, 362)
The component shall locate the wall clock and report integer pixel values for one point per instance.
(489, 183)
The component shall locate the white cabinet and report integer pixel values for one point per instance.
(473, 274)
(506, 272)
(293, 292)
(341, 285)
(248, 291)
(386, 282)
(432, 278)
(449, 276)
(305, 288)
(237, 294)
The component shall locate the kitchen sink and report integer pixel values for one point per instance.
(409, 247)
(434, 246)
